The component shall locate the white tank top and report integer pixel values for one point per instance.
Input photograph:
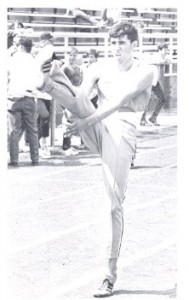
(111, 86)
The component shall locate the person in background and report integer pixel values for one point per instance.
(23, 75)
(108, 16)
(74, 72)
(14, 48)
(43, 122)
(46, 43)
(157, 61)
(92, 59)
(15, 28)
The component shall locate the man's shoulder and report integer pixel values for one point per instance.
(142, 70)
(142, 66)
(105, 65)
(94, 68)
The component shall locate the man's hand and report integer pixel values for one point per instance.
(75, 126)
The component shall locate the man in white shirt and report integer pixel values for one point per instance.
(124, 87)
(23, 75)
(44, 99)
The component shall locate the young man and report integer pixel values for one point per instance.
(44, 99)
(157, 61)
(124, 87)
(74, 73)
(92, 59)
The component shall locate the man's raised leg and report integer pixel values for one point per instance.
(62, 91)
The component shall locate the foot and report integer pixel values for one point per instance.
(143, 122)
(57, 75)
(102, 24)
(153, 122)
(35, 163)
(105, 290)
(13, 164)
(44, 153)
(71, 152)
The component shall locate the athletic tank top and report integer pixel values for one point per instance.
(111, 87)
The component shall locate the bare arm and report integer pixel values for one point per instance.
(142, 82)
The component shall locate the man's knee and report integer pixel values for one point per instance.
(116, 208)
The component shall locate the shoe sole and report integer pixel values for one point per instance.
(102, 296)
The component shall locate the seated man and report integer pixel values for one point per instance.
(124, 87)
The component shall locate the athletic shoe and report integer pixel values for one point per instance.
(13, 164)
(44, 153)
(35, 163)
(143, 122)
(105, 290)
(153, 122)
(71, 152)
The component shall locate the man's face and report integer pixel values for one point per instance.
(122, 48)
(73, 57)
(92, 59)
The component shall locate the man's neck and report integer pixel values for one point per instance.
(127, 64)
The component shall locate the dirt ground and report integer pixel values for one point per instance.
(57, 224)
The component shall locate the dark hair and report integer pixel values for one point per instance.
(46, 36)
(26, 43)
(54, 56)
(122, 28)
(20, 24)
(93, 52)
(73, 50)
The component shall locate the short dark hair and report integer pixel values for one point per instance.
(26, 43)
(73, 50)
(93, 52)
(46, 36)
(21, 24)
(122, 28)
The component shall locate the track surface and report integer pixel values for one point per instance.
(57, 224)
